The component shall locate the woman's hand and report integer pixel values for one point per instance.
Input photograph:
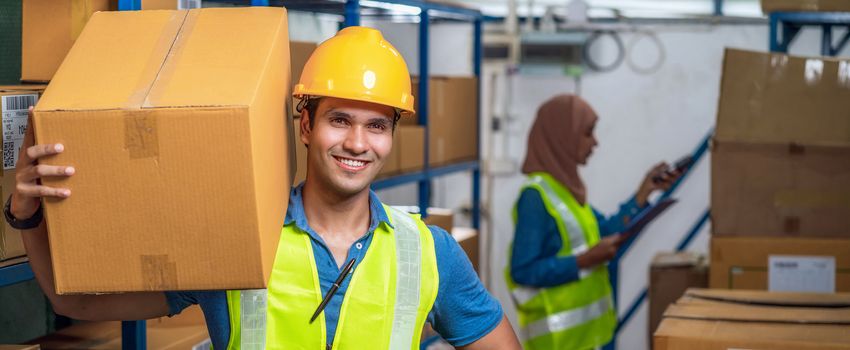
(660, 177)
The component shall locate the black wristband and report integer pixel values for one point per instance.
(27, 224)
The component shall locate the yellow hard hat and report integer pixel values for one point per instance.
(357, 64)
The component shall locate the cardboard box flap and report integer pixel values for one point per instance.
(722, 311)
(212, 64)
(176, 59)
(122, 73)
(759, 306)
(837, 300)
(776, 98)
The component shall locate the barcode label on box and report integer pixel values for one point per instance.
(15, 109)
(789, 273)
(188, 4)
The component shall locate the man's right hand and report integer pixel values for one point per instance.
(28, 189)
(600, 253)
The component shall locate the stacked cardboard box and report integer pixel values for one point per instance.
(184, 331)
(452, 119)
(781, 174)
(717, 319)
(50, 27)
(768, 6)
(670, 275)
(14, 104)
(179, 136)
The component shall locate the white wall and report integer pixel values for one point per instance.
(643, 119)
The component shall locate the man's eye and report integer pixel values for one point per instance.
(378, 126)
(339, 121)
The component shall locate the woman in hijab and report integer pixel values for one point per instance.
(558, 274)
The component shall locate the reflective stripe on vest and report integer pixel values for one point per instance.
(408, 254)
(578, 242)
(415, 284)
(568, 319)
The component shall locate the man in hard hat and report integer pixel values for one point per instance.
(381, 272)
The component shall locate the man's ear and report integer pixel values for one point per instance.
(304, 125)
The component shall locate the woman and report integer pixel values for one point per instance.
(558, 273)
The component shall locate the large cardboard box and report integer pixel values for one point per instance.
(781, 155)
(452, 119)
(48, 30)
(670, 275)
(794, 264)
(50, 27)
(712, 319)
(179, 138)
(768, 6)
(14, 104)
(181, 332)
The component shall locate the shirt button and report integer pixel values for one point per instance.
(359, 245)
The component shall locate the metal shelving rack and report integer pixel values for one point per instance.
(784, 27)
(134, 332)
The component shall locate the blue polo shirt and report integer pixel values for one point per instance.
(463, 312)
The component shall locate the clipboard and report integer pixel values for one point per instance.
(645, 217)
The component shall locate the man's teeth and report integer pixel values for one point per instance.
(351, 162)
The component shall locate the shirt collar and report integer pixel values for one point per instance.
(295, 211)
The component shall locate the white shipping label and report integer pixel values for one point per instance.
(188, 4)
(15, 109)
(790, 273)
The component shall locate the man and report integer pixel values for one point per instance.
(353, 89)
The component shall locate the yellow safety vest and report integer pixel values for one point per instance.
(390, 294)
(576, 315)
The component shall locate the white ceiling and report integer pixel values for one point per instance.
(628, 8)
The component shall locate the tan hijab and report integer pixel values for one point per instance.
(554, 141)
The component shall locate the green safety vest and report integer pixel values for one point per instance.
(576, 315)
(386, 305)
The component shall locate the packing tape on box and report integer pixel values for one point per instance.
(141, 138)
(166, 70)
(158, 273)
(164, 46)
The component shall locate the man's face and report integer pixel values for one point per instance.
(348, 143)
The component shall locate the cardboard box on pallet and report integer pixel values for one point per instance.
(768, 6)
(670, 275)
(179, 138)
(781, 153)
(714, 319)
(14, 104)
(780, 264)
(452, 119)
